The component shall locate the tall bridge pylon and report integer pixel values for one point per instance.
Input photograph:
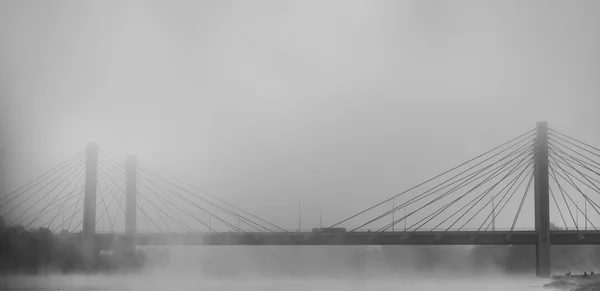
(542, 201)
(89, 203)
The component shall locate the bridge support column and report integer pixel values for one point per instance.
(89, 204)
(131, 203)
(542, 206)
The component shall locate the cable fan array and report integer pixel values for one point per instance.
(574, 171)
(52, 197)
(54, 200)
(494, 188)
(491, 189)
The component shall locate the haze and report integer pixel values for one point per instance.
(265, 103)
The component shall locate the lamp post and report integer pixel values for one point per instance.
(405, 218)
(299, 217)
(493, 216)
(585, 213)
(320, 218)
(576, 214)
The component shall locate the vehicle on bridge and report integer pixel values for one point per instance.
(330, 230)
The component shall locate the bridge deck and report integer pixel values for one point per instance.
(355, 238)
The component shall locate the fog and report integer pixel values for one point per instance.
(334, 104)
(293, 268)
(269, 102)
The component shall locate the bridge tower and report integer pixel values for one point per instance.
(89, 204)
(130, 204)
(542, 206)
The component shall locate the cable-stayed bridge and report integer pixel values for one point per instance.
(540, 176)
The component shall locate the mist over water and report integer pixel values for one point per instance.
(260, 268)
(168, 282)
(339, 104)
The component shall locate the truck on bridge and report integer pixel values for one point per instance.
(330, 230)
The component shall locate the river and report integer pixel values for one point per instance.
(281, 268)
(165, 283)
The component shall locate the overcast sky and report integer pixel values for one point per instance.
(337, 103)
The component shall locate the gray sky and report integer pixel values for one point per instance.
(339, 103)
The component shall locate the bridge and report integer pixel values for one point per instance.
(461, 206)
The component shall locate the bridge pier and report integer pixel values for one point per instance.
(542, 206)
(89, 204)
(130, 206)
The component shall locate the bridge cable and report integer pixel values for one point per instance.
(552, 138)
(228, 204)
(492, 174)
(514, 191)
(147, 216)
(112, 200)
(156, 209)
(577, 206)
(194, 217)
(564, 161)
(75, 210)
(75, 189)
(181, 223)
(72, 166)
(185, 211)
(484, 194)
(31, 215)
(442, 209)
(573, 139)
(107, 211)
(78, 209)
(210, 213)
(440, 175)
(507, 187)
(194, 204)
(521, 205)
(61, 226)
(494, 213)
(465, 181)
(179, 207)
(569, 175)
(144, 185)
(581, 164)
(572, 183)
(232, 213)
(120, 172)
(110, 176)
(49, 173)
(498, 170)
(119, 161)
(558, 207)
(562, 191)
(56, 205)
(34, 194)
(64, 209)
(42, 212)
(82, 209)
(478, 198)
(103, 202)
(42, 197)
(119, 207)
(145, 219)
